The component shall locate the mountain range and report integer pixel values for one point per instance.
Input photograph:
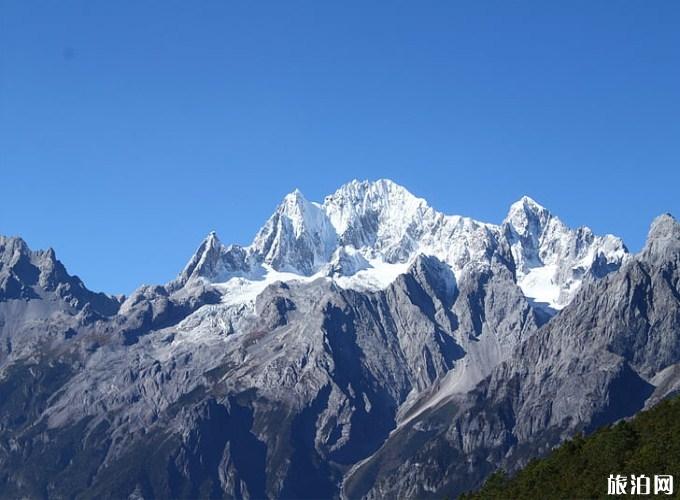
(365, 347)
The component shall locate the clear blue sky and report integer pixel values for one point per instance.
(129, 130)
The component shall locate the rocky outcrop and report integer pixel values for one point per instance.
(613, 349)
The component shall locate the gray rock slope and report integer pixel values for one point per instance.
(310, 385)
(613, 350)
(229, 383)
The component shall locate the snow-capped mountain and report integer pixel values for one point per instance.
(367, 233)
(301, 362)
(551, 260)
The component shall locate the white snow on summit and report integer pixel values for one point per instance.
(367, 233)
(551, 259)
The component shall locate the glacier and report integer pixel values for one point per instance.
(367, 233)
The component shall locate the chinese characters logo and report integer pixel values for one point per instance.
(639, 484)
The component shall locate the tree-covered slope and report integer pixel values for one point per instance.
(649, 444)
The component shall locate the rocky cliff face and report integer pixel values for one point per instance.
(613, 350)
(272, 370)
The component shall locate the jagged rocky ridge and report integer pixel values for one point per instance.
(612, 352)
(273, 369)
(363, 232)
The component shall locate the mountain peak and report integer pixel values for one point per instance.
(381, 187)
(663, 239)
(212, 239)
(365, 211)
(205, 260)
(29, 274)
(527, 217)
(528, 199)
(11, 247)
(664, 226)
(525, 205)
(300, 213)
(298, 237)
(547, 252)
(295, 196)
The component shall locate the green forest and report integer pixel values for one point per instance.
(648, 444)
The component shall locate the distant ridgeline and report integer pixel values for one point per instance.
(649, 445)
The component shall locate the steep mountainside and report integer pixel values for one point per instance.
(613, 350)
(274, 369)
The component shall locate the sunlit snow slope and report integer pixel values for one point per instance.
(367, 233)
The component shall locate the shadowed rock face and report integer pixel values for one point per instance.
(40, 302)
(31, 275)
(599, 360)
